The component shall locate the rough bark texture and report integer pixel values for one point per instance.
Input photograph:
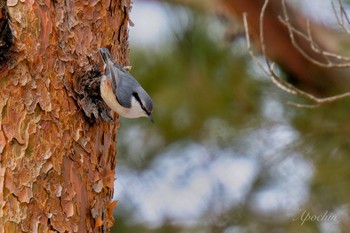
(57, 164)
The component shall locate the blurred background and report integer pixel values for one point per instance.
(226, 154)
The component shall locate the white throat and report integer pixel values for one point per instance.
(108, 96)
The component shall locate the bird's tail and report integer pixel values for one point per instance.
(105, 55)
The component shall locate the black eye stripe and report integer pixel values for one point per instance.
(137, 97)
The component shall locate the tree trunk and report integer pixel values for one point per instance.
(57, 149)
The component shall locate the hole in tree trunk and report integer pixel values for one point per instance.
(5, 34)
(87, 93)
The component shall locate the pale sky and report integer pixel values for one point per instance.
(151, 24)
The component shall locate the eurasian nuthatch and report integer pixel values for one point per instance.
(121, 92)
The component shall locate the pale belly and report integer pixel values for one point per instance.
(108, 96)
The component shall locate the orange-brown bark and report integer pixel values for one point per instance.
(56, 168)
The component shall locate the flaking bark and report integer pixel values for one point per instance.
(56, 168)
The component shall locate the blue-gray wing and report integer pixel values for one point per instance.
(125, 88)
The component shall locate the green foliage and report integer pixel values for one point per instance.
(195, 80)
(209, 92)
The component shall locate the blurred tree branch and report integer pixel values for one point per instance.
(282, 84)
(305, 49)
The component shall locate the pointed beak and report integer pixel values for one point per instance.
(150, 118)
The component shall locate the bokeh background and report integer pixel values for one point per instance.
(227, 154)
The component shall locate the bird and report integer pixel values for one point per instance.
(121, 91)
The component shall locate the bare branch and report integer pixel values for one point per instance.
(341, 61)
(270, 71)
(341, 16)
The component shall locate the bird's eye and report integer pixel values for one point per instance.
(137, 97)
